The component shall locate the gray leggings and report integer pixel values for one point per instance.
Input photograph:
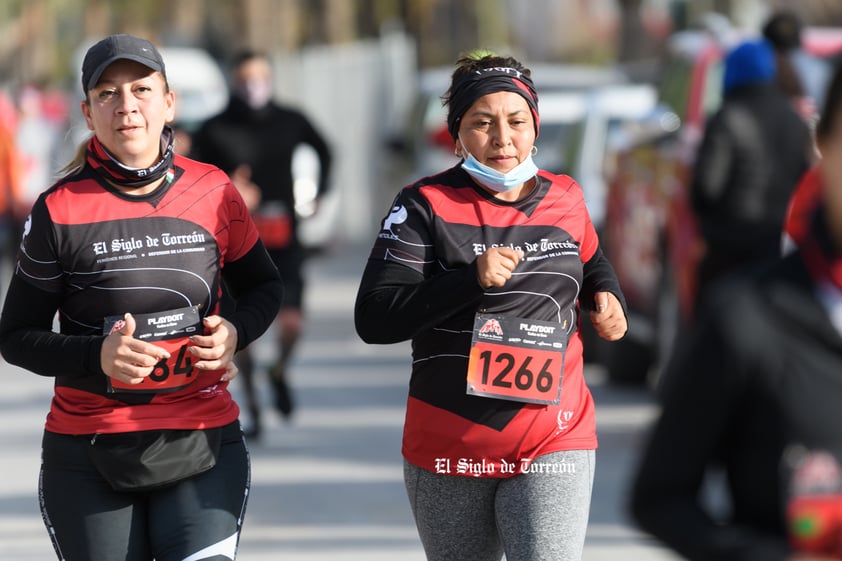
(531, 516)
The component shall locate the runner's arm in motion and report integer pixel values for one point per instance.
(27, 338)
(257, 289)
(394, 302)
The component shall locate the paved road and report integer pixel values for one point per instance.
(328, 486)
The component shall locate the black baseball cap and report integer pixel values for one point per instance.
(118, 47)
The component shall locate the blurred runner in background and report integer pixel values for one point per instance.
(754, 151)
(756, 395)
(254, 140)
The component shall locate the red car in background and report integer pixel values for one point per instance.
(650, 233)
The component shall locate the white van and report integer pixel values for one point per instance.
(582, 131)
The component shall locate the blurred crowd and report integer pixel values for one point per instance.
(749, 396)
(33, 122)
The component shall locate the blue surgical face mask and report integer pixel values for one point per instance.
(498, 181)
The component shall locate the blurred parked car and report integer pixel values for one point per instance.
(318, 225)
(581, 133)
(582, 130)
(198, 82)
(651, 234)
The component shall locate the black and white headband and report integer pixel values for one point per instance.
(472, 86)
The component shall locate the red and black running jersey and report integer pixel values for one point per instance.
(437, 228)
(110, 253)
(802, 205)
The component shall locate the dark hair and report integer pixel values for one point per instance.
(783, 30)
(245, 55)
(832, 105)
(471, 63)
(787, 75)
(483, 73)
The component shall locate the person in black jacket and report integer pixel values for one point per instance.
(756, 394)
(254, 140)
(754, 151)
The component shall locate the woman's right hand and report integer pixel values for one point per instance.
(495, 266)
(241, 178)
(127, 359)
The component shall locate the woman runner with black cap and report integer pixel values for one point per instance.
(143, 456)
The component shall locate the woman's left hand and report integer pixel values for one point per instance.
(608, 317)
(215, 350)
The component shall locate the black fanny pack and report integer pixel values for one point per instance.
(139, 461)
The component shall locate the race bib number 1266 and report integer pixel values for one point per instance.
(516, 359)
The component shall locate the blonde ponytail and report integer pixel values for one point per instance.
(78, 162)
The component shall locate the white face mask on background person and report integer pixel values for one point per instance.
(255, 93)
(496, 180)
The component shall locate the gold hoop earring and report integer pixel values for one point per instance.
(534, 150)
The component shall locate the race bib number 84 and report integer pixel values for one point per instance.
(516, 359)
(169, 330)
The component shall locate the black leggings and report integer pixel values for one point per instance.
(199, 518)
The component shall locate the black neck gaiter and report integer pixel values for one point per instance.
(112, 170)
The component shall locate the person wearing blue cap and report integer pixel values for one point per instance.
(757, 402)
(754, 150)
(143, 456)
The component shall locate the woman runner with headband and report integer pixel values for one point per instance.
(487, 267)
(142, 456)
